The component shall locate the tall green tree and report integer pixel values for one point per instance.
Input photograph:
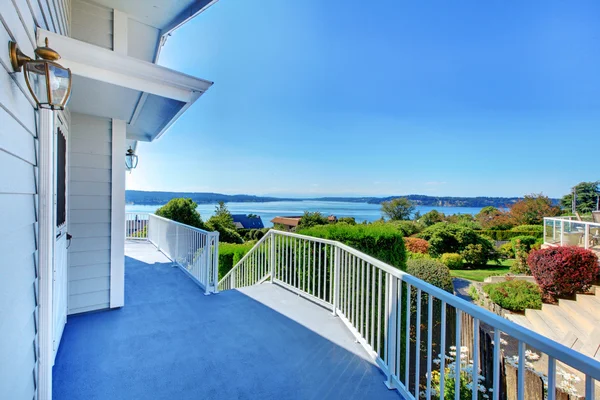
(586, 197)
(432, 217)
(532, 209)
(222, 216)
(182, 210)
(312, 219)
(398, 209)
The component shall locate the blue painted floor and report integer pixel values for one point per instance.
(172, 342)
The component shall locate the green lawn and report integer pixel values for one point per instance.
(480, 274)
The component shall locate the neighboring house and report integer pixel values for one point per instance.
(250, 221)
(63, 172)
(287, 223)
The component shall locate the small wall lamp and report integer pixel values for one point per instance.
(131, 160)
(48, 82)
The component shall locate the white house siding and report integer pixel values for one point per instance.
(92, 24)
(89, 213)
(18, 197)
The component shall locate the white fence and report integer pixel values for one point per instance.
(568, 232)
(403, 322)
(136, 226)
(195, 250)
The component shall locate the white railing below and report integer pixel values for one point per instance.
(136, 226)
(569, 232)
(194, 250)
(403, 322)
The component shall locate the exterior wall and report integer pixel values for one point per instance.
(18, 197)
(92, 24)
(90, 150)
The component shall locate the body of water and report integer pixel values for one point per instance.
(268, 211)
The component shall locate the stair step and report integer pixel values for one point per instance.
(585, 320)
(521, 320)
(544, 326)
(591, 303)
(563, 319)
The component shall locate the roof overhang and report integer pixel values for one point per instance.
(147, 96)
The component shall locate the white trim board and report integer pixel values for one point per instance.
(117, 216)
(104, 65)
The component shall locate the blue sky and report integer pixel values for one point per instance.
(335, 97)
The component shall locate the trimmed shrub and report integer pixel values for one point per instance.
(454, 238)
(230, 254)
(417, 256)
(452, 260)
(506, 251)
(382, 241)
(509, 234)
(563, 271)
(431, 271)
(528, 229)
(515, 295)
(525, 242)
(407, 228)
(416, 245)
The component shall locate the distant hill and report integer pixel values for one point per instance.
(158, 198)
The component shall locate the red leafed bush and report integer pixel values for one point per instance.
(563, 271)
(416, 245)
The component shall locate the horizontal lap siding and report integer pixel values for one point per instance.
(18, 190)
(18, 196)
(89, 213)
(93, 24)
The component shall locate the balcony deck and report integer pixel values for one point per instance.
(172, 342)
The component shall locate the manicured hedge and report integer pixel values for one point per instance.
(563, 271)
(514, 295)
(230, 254)
(431, 271)
(382, 241)
(507, 235)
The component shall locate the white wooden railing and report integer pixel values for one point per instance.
(194, 250)
(136, 226)
(568, 232)
(371, 298)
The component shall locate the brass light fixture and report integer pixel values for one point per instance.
(131, 160)
(48, 82)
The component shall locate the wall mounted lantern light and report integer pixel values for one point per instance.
(131, 160)
(48, 82)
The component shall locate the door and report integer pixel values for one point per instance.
(59, 271)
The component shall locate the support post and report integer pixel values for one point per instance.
(272, 256)
(336, 280)
(46, 251)
(562, 232)
(587, 236)
(392, 331)
(215, 262)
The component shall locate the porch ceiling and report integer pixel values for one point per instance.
(148, 97)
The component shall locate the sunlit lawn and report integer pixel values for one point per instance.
(479, 275)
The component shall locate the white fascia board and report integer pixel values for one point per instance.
(105, 65)
(186, 15)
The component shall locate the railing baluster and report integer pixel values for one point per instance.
(457, 356)
(418, 344)
(475, 371)
(521, 372)
(407, 339)
(367, 320)
(319, 278)
(362, 298)
(442, 354)
(379, 314)
(496, 371)
(429, 343)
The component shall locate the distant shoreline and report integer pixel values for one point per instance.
(135, 197)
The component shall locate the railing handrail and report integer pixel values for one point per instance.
(264, 238)
(559, 219)
(583, 363)
(210, 233)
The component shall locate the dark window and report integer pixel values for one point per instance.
(61, 179)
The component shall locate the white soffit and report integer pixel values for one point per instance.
(111, 85)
